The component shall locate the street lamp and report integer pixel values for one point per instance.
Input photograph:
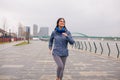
(9, 35)
(28, 33)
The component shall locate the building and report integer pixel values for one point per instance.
(3, 33)
(35, 30)
(21, 31)
(13, 34)
(44, 31)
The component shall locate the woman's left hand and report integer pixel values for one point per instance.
(65, 34)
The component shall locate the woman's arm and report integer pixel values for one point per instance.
(69, 38)
(51, 41)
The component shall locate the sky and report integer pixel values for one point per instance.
(90, 17)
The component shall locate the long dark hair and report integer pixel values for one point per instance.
(57, 24)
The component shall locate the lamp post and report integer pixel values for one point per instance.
(9, 35)
(28, 34)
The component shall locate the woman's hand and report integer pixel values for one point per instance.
(65, 34)
(50, 51)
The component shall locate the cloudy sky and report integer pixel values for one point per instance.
(91, 17)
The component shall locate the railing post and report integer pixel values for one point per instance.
(101, 48)
(78, 45)
(75, 45)
(85, 45)
(95, 47)
(82, 45)
(117, 51)
(90, 46)
(108, 49)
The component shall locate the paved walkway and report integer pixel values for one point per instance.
(33, 62)
(7, 45)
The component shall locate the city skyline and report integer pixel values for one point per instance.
(90, 17)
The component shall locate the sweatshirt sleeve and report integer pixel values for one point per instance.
(51, 40)
(70, 39)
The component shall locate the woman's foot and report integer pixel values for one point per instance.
(58, 79)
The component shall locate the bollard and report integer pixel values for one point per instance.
(108, 49)
(101, 48)
(117, 51)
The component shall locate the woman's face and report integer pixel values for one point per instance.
(61, 23)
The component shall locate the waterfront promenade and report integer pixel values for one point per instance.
(33, 62)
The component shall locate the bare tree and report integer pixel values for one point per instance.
(4, 24)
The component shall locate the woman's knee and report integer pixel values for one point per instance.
(60, 67)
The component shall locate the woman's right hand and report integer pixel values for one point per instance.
(50, 51)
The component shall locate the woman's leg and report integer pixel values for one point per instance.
(60, 61)
(64, 61)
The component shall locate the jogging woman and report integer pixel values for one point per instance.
(60, 38)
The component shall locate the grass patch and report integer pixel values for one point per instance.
(22, 43)
(4, 42)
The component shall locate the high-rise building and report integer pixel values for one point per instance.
(44, 31)
(21, 30)
(35, 30)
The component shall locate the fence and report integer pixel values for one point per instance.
(9, 39)
(107, 48)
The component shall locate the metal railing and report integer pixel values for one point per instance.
(108, 48)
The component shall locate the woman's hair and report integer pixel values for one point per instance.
(57, 24)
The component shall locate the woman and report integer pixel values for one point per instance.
(60, 38)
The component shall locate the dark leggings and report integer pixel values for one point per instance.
(60, 61)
